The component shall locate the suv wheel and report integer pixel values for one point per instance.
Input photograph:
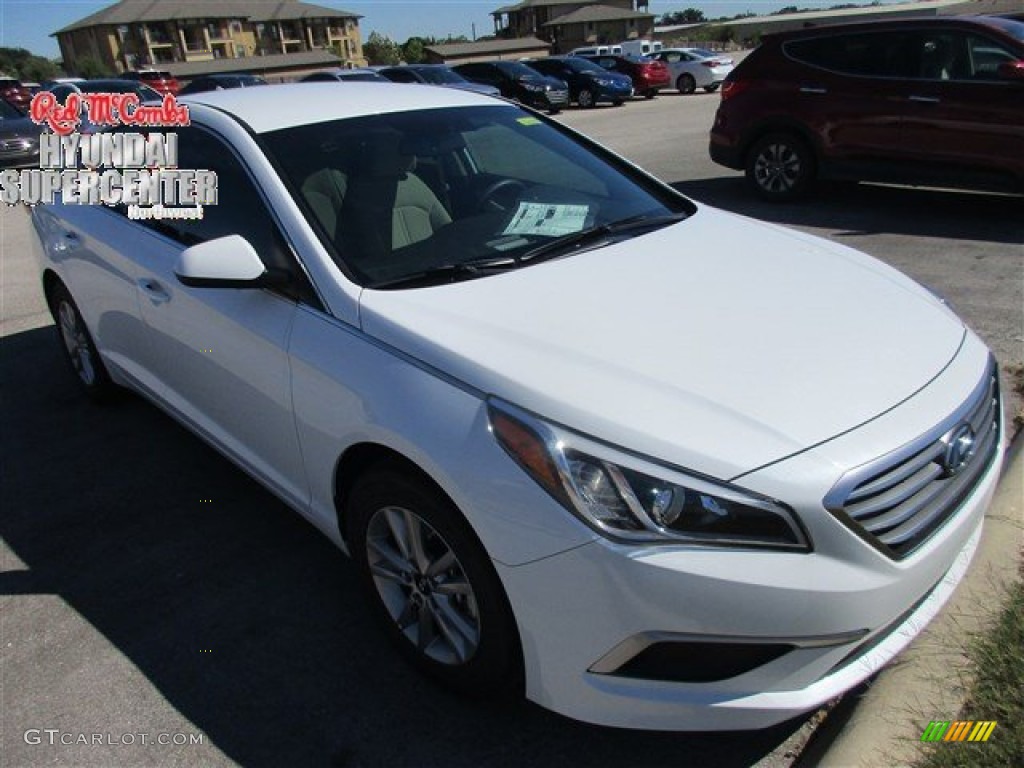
(780, 167)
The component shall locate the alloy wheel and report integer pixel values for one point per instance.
(76, 342)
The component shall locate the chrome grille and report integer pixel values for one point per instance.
(899, 501)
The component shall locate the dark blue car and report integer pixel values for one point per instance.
(589, 83)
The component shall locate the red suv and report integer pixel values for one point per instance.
(933, 102)
(157, 79)
(648, 75)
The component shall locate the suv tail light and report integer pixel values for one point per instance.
(732, 88)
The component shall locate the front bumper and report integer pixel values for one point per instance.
(577, 608)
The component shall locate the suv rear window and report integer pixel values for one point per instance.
(868, 54)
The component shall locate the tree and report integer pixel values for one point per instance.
(381, 49)
(412, 50)
(89, 68)
(19, 63)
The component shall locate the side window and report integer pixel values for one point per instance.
(943, 56)
(984, 57)
(881, 54)
(401, 76)
(239, 209)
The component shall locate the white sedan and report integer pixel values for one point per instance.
(693, 68)
(570, 453)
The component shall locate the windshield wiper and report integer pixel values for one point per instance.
(446, 273)
(594, 236)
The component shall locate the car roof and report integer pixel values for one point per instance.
(970, 22)
(293, 104)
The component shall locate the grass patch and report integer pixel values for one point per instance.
(1015, 373)
(997, 693)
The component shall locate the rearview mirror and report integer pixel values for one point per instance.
(227, 262)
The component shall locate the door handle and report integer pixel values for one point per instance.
(813, 89)
(925, 99)
(154, 290)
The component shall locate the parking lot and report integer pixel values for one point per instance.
(149, 587)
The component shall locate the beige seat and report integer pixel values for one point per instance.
(380, 205)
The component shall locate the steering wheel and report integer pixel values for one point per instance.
(500, 196)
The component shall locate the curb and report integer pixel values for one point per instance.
(880, 722)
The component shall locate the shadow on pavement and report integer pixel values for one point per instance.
(104, 507)
(850, 210)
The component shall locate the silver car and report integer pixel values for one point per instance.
(693, 68)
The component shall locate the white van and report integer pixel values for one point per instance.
(639, 47)
(596, 50)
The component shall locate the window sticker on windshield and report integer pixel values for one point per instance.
(547, 219)
(528, 121)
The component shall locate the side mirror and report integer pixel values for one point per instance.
(1011, 70)
(227, 262)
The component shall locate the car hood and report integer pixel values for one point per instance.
(719, 344)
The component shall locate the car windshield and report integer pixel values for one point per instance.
(440, 75)
(415, 198)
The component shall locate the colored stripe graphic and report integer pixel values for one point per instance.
(958, 730)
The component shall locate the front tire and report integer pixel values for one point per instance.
(650, 94)
(585, 99)
(711, 88)
(432, 584)
(780, 167)
(78, 347)
(685, 83)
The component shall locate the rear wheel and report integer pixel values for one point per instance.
(685, 83)
(432, 583)
(585, 98)
(780, 167)
(79, 349)
(650, 94)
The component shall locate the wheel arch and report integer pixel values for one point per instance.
(50, 282)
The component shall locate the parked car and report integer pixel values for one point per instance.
(690, 69)
(343, 75)
(159, 80)
(663, 466)
(435, 74)
(220, 82)
(19, 138)
(648, 75)
(936, 101)
(519, 82)
(13, 91)
(589, 83)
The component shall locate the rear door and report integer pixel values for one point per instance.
(852, 90)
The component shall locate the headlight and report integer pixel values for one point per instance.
(604, 82)
(533, 88)
(624, 496)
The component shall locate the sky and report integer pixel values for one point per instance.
(28, 23)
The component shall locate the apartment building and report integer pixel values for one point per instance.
(134, 34)
(566, 24)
